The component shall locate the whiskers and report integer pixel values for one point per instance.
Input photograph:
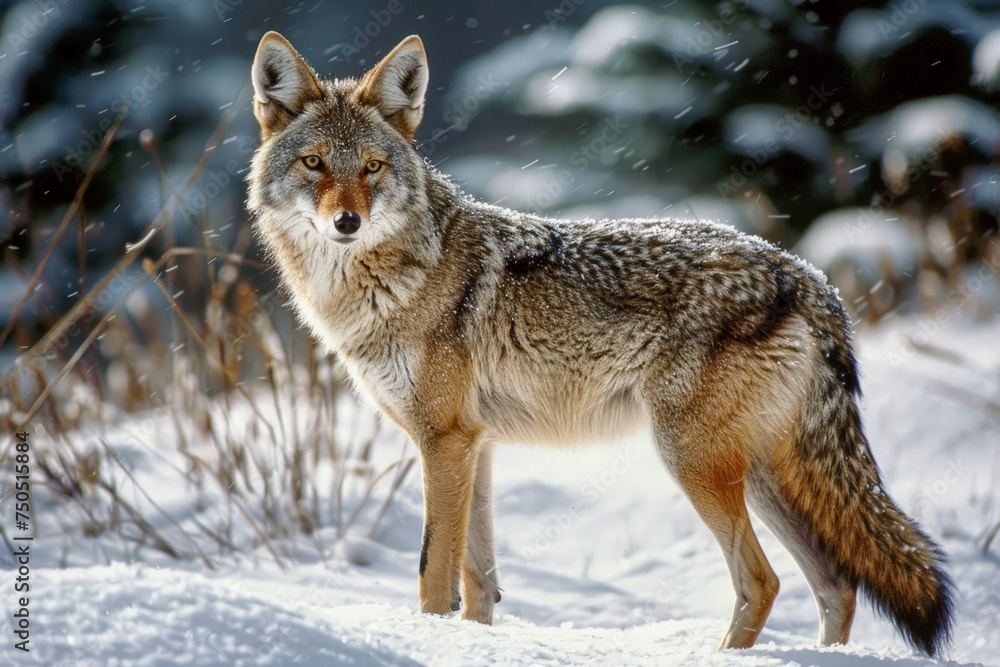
(311, 218)
(286, 222)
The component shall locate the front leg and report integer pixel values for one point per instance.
(449, 467)
(479, 570)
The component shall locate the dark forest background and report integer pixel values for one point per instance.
(862, 135)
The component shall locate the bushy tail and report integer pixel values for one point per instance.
(836, 487)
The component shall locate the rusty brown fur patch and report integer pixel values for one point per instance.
(334, 195)
(726, 484)
(742, 410)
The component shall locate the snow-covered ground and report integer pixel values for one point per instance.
(602, 560)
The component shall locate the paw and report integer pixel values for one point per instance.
(479, 607)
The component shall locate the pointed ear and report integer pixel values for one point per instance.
(282, 84)
(397, 86)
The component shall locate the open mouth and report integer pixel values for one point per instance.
(345, 240)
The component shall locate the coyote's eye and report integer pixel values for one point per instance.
(312, 162)
(373, 166)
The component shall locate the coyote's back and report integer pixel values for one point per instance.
(469, 324)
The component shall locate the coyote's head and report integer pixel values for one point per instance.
(336, 166)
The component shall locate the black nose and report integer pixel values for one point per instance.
(347, 222)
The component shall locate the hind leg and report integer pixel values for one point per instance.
(715, 417)
(713, 482)
(833, 590)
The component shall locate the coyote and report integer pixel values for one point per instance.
(469, 324)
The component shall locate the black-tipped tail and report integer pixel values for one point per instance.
(919, 600)
(837, 488)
